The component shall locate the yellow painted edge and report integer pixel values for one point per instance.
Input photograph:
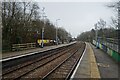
(94, 68)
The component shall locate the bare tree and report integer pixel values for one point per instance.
(22, 23)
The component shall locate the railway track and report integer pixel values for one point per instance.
(46, 66)
(6, 63)
(11, 69)
(65, 69)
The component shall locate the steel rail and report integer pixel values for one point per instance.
(45, 77)
(72, 69)
(41, 65)
(35, 61)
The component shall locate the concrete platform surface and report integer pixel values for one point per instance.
(87, 66)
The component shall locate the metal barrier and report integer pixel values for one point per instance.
(115, 54)
(18, 47)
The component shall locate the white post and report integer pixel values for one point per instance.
(96, 31)
(44, 17)
(57, 32)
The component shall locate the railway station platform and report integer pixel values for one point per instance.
(95, 63)
(8, 55)
(108, 67)
(87, 66)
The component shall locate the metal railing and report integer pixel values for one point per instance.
(109, 42)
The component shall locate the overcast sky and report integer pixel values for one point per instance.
(77, 17)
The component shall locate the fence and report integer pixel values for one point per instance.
(115, 54)
(18, 47)
(109, 42)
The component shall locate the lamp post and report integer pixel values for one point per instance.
(44, 17)
(56, 32)
(118, 33)
(96, 34)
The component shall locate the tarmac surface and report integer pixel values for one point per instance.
(96, 64)
(108, 67)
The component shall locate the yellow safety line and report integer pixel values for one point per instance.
(93, 65)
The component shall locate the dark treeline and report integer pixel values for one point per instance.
(111, 31)
(103, 33)
(23, 22)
